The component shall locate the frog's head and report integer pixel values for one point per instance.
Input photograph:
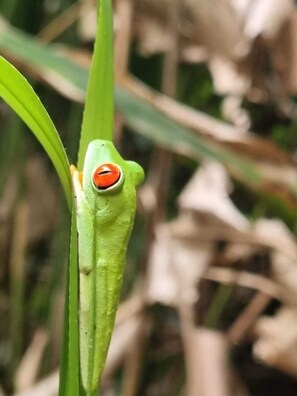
(107, 177)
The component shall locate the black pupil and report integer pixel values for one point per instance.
(104, 172)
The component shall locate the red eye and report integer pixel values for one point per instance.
(106, 175)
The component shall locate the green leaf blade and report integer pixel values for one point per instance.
(20, 96)
(99, 107)
(69, 367)
(139, 115)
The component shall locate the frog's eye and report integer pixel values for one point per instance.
(107, 177)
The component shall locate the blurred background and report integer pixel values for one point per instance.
(206, 103)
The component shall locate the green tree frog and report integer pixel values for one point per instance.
(105, 199)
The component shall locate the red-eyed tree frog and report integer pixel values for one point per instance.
(105, 199)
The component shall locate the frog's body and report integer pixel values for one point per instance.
(104, 222)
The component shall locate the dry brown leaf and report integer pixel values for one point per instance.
(162, 286)
(150, 25)
(177, 262)
(189, 262)
(29, 367)
(265, 17)
(234, 113)
(153, 36)
(284, 272)
(217, 27)
(284, 263)
(285, 55)
(46, 387)
(205, 357)
(207, 193)
(207, 214)
(237, 26)
(276, 235)
(277, 342)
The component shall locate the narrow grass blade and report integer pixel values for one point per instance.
(69, 367)
(139, 115)
(99, 108)
(46, 58)
(172, 136)
(19, 95)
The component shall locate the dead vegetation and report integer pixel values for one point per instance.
(214, 281)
